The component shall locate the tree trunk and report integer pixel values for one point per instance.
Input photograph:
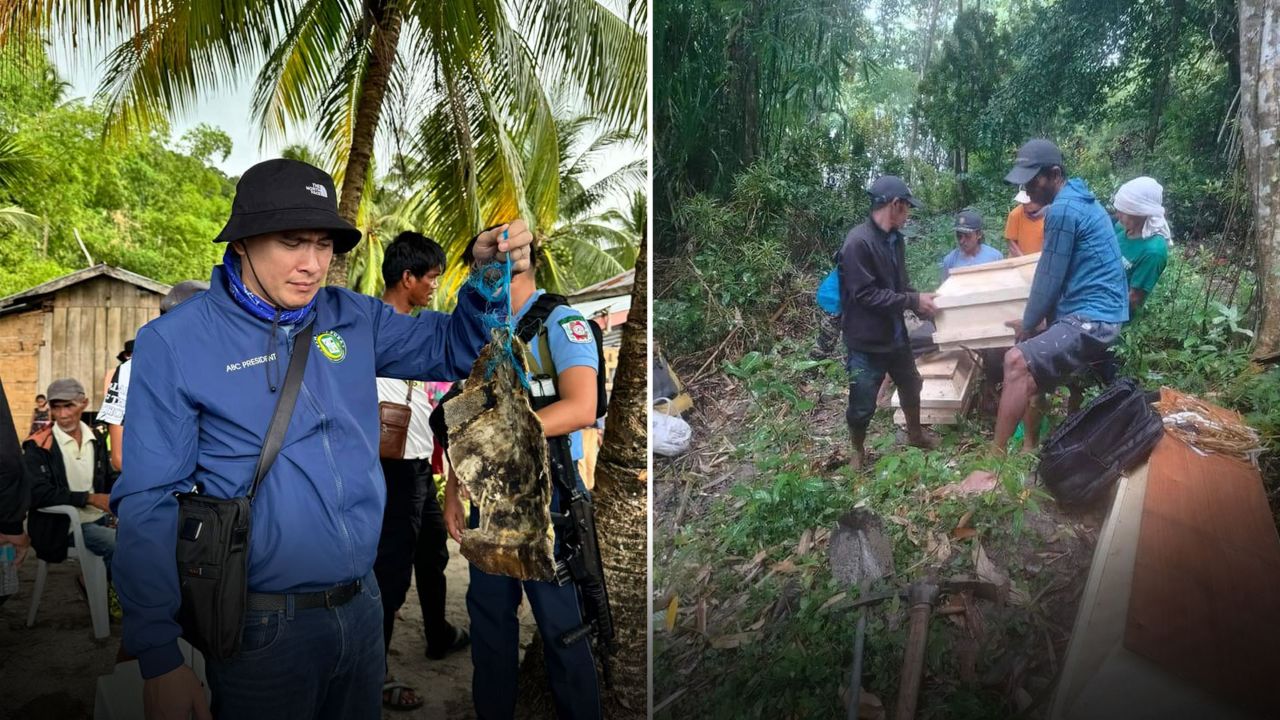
(1259, 130)
(1160, 94)
(622, 497)
(622, 523)
(386, 20)
(924, 65)
(743, 55)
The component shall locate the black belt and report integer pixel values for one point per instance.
(331, 598)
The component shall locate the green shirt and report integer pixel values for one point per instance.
(1144, 259)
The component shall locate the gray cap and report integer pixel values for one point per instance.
(66, 390)
(1033, 156)
(890, 187)
(181, 293)
(968, 221)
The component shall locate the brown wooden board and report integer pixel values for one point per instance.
(938, 365)
(1205, 604)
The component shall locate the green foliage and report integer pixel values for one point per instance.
(743, 251)
(147, 206)
(799, 626)
(734, 80)
(962, 80)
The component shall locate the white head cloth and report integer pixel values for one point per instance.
(1143, 197)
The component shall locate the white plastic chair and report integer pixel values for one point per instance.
(92, 569)
(119, 695)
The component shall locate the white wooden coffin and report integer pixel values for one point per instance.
(975, 302)
(949, 378)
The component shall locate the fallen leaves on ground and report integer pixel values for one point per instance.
(727, 642)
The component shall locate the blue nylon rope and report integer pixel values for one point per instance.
(493, 281)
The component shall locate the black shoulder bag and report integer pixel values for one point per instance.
(213, 537)
(1112, 434)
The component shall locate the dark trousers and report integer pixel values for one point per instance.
(867, 371)
(312, 664)
(428, 567)
(406, 489)
(828, 334)
(493, 602)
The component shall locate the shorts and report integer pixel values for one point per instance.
(1070, 345)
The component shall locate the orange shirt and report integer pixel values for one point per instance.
(1028, 233)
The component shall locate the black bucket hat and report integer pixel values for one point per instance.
(279, 195)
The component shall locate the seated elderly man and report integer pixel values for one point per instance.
(68, 464)
(1143, 234)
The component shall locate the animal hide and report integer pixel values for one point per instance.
(499, 453)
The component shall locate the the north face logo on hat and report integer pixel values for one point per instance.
(318, 189)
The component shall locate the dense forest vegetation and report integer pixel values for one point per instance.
(771, 119)
(812, 99)
(151, 205)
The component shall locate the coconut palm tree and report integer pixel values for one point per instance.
(334, 64)
(582, 240)
(586, 241)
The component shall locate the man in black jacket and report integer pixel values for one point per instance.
(14, 493)
(874, 292)
(68, 464)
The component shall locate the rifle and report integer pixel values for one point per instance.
(581, 562)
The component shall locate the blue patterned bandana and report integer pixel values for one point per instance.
(255, 305)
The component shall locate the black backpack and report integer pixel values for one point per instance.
(1090, 450)
(534, 324)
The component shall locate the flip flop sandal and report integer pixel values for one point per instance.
(397, 702)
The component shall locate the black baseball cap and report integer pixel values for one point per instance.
(890, 187)
(1033, 156)
(968, 221)
(279, 195)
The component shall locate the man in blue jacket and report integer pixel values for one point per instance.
(1079, 289)
(205, 384)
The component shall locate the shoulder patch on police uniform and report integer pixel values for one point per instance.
(332, 346)
(575, 327)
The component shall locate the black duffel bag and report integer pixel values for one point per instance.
(1090, 450)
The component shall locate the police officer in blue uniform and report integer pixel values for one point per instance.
(492, 600)
(206, 382)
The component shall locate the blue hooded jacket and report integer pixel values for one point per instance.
(1080, 271)
(199, 405)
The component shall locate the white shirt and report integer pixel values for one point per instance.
(112, 410)
(77, 458)
(420, 443)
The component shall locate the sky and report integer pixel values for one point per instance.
(228, 109)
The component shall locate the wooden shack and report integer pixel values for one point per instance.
(72, 326)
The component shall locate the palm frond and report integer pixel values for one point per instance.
(19, 219)
(595, 50)
(179, 52)
(299, 73)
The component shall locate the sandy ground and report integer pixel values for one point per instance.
(48, 672)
